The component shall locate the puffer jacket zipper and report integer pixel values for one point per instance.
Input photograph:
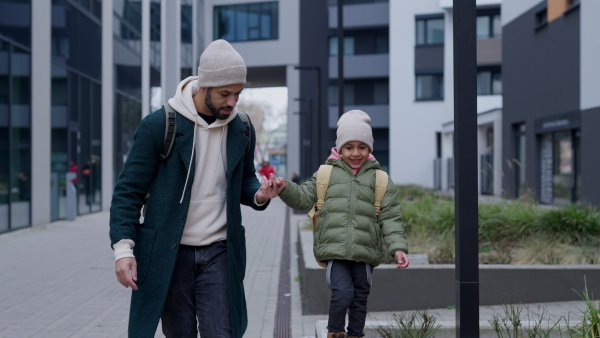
(349, 229)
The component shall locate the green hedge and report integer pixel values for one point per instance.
(503, 226)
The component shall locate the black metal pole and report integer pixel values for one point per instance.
(306, 165)
(465, 169)
(340, 37)
(320, 119)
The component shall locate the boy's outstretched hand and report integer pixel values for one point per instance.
(402, 259)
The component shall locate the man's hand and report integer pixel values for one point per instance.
(126, 270)
(402, 259)
(269, 188)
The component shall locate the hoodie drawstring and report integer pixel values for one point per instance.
(190, 166)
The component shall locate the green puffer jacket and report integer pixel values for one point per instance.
(348, 227)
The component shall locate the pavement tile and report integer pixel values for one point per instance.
(48, 291)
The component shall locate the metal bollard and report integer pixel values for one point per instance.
(71, 196)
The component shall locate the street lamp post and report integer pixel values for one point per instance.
(340, 37)
(465, 169)
(305, 143)
(321, 119)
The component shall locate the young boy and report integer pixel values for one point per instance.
(349, 233)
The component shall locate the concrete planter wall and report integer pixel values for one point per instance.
(433, 286)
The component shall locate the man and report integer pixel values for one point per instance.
(186, 262)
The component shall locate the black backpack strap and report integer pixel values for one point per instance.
(170, 128)
(248, 132)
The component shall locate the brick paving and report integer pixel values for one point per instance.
(57, 280)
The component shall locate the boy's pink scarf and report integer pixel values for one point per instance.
(336, 156)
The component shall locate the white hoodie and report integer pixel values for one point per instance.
(207, 214)
(207, 217)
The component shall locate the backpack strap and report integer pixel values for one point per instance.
(381, 183)
(246, 120)
(170, 128)
(323, 176)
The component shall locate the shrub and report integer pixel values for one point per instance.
(509, 232)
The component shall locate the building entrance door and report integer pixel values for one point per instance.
(563, 149)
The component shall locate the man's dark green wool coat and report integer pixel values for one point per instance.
(157, 240)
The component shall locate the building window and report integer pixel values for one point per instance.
(489, 24)
(489, 81)
(187, 27)
(430, 30)
(186, 23)
(247, 22)
(15, 134)
(348, 45)
(520, 160)
(361, 42)
(361, 92)
(128, 24)
(429, 87)
(541, 18)
(355, 2)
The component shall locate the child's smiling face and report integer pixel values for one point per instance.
(355, 154)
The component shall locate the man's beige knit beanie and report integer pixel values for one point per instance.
(221, 65)
(354, 126)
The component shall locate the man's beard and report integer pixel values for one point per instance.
(214, 110)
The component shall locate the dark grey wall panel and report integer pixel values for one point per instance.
(314, 52)
(429, 58)
(541, 77)
(590, 164)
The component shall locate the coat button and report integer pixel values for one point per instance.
(174, 246)
(182, 217)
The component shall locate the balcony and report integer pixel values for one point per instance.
(361, 66)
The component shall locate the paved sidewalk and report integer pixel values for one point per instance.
(58, 280)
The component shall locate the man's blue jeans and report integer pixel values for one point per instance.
(350, 284)
(198, 290)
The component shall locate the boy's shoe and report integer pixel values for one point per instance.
(336, 334)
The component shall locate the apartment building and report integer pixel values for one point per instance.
(422, 89)
(551, 110)
(366, 69)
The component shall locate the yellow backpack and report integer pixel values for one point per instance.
(323, 175)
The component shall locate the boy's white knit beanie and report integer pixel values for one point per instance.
(220, 65)
(354, 126)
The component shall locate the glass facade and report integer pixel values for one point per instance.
(155, 61)
(15, 115)
(247, 22)
(128, 73)
(76, 105)
(187, 55)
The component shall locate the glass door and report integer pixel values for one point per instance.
(566, 181)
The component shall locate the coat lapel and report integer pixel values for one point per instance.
(236, 144)
(184, 139)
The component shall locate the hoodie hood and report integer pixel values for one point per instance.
(183, 103)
